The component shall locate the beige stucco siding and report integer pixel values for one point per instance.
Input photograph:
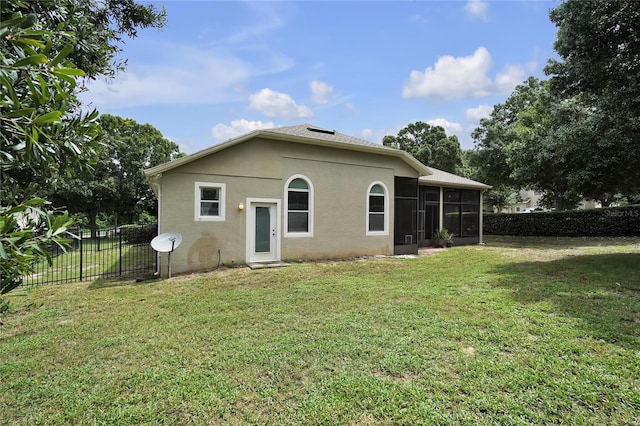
(259, 168)
(339, 210)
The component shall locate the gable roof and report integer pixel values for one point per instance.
(303, 133)
(440, 177)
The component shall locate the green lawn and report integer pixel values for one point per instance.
(106, 257)
(521, 331)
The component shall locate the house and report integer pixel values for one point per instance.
(303, 192)
(528, 201)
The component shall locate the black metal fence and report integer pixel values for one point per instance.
(99, 253)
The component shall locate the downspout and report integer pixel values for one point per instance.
(481, 212)
(441, 210)
(157, 188)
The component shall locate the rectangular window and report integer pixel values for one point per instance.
(209, 201)
(376, 203)
(376, 212)
(298, 221)
(297, 211)
(298, 200)
(376, 222)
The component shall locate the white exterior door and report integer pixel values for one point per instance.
(263, 230)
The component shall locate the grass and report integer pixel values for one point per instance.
(106, 257)
(521, 331)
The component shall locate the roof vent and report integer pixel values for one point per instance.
(326, 132)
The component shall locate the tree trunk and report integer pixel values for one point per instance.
(92, 224)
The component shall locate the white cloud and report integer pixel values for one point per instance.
(208, 71)
(277, 105)
(513, 75)
(476, 9)
(196, 75)
(268, 18)
(448, 126)
(452, 78)
(238, 128)
(209, 80)
(462, 77)
(320, 92)
(474, 115)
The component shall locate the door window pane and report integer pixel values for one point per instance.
(263, 230)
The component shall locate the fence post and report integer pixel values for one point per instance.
(81, 245)
(119, 251)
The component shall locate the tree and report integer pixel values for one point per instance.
(102, 27)
(497, 134)
(599, 47)
(533, 141)
(429, 144)
(500, 198)
(116, 184)
(43, 132)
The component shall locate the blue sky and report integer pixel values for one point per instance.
(363, 68)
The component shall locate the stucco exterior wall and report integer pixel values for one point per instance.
(259, 168)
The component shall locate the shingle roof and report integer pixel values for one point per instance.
(315, 132)
(440, 177)
(302, 133)
(308, 133)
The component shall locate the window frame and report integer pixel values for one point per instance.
(221, 202)
(385, 213)
(310, 207)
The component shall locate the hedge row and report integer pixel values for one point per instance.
(138, 234)
(607, 222)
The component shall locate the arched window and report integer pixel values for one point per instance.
(377, 209)
(299, 207)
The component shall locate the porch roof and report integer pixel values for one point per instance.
(442, 178)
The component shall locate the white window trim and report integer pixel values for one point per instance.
(221, 209)
(309, 233)
(386, 210)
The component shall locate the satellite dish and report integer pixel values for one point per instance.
(166, 243)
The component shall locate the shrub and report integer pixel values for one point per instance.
(607, 222)
(138, 234)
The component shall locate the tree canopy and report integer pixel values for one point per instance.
(599, 47)
(576, 135)
(101, 26)
(44, 133)
(429, 144)
(116, 185)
